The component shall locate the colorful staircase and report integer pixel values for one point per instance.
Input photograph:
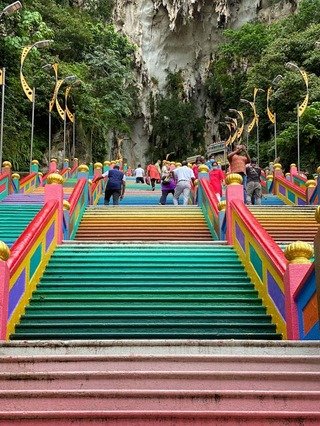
(14, 218)
(287, 223)
(147, 223)
(145, 291)
(143, 382)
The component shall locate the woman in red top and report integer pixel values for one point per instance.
(216, 177)
(153, 174)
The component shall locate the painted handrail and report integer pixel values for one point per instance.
(78, 202)
(28, 183)
(4, 186)
(209, 206)
(29, 257)
(96, 192)
(305, 298)
(263, 260)
(288, 192)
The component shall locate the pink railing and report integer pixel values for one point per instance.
(78, 202)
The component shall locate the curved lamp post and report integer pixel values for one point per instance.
(255, 120)
(234, 126)
(64, 112)
(227, 142)
(241, 128)
(300, 107)
(8, 10)
(272, 115)
(51, 104)
(30, 93)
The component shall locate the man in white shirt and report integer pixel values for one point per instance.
(184, 176)
(139, 174)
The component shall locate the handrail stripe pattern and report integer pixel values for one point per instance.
(28, 183)
(263, 260)
(4, 186)
(288, 192)
(209, 207)
(29, 257)
(78, 201)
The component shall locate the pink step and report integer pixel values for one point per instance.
(159, 400)
(169, 380)
(16, 364)
(165, 418)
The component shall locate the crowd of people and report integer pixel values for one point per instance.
(178, 179)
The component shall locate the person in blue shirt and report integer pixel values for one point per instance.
(115, 187)
(210, 161)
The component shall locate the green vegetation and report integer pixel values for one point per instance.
(252, 57)
(177, 127)
(85, 44)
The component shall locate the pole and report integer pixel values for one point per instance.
(275, 136)
(74, 136)
(49, 147)
(258, 144)
(247, 140)
(2, 116)
(64, 135)
(298, 138)
(32, 124)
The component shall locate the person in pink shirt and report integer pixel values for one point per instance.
(153, 174)
(216, 177)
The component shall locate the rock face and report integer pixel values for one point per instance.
(173, 35)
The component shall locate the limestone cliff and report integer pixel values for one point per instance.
(173, 35)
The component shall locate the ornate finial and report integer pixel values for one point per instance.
(69, 168)
(203, 168)
(90, 181)
(113, 162)
(172, 163)
(293, 165)
(66, 205)
(270, 177)
(178, 164)
(277, 166)
(83, 168)
(299, 252)
(54, 160)
(4, 251)
(222, 205)
(7, 164)
(35, 162)
(54, 178)
(15, 176)
(234, 179)
(317, 214)
(97, 166)
(40, 174)
(196, 182)
(190, 165)
(66, 160)
(318, 170)
(311, 183)
(288, 174)
(75, 159)
(106, 163)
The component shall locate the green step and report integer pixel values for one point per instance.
(112, 288)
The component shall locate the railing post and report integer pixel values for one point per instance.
(277, 171)
(293, 171)
(298, 254)
(4, 289)
(269, 183)
(222, 205)
(75, 162)
(288, 176)
(234, 191)
(16, 182)
(53, 165)
(34, 166)
(203, 174)
(66, 163)
(97, 169)
(66, 218)
(54, 191)
(310, 188)
(6, 168)
(106, 166)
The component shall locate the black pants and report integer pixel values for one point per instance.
(139, 179)
(164, 195)
(153, 183)
(115, 194)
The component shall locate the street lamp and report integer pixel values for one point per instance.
(300, 107)
(8, 10)
(255, 120)
(272, 115)
(30, 93)
(51, 104)
(11, 8)
(64, 112)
